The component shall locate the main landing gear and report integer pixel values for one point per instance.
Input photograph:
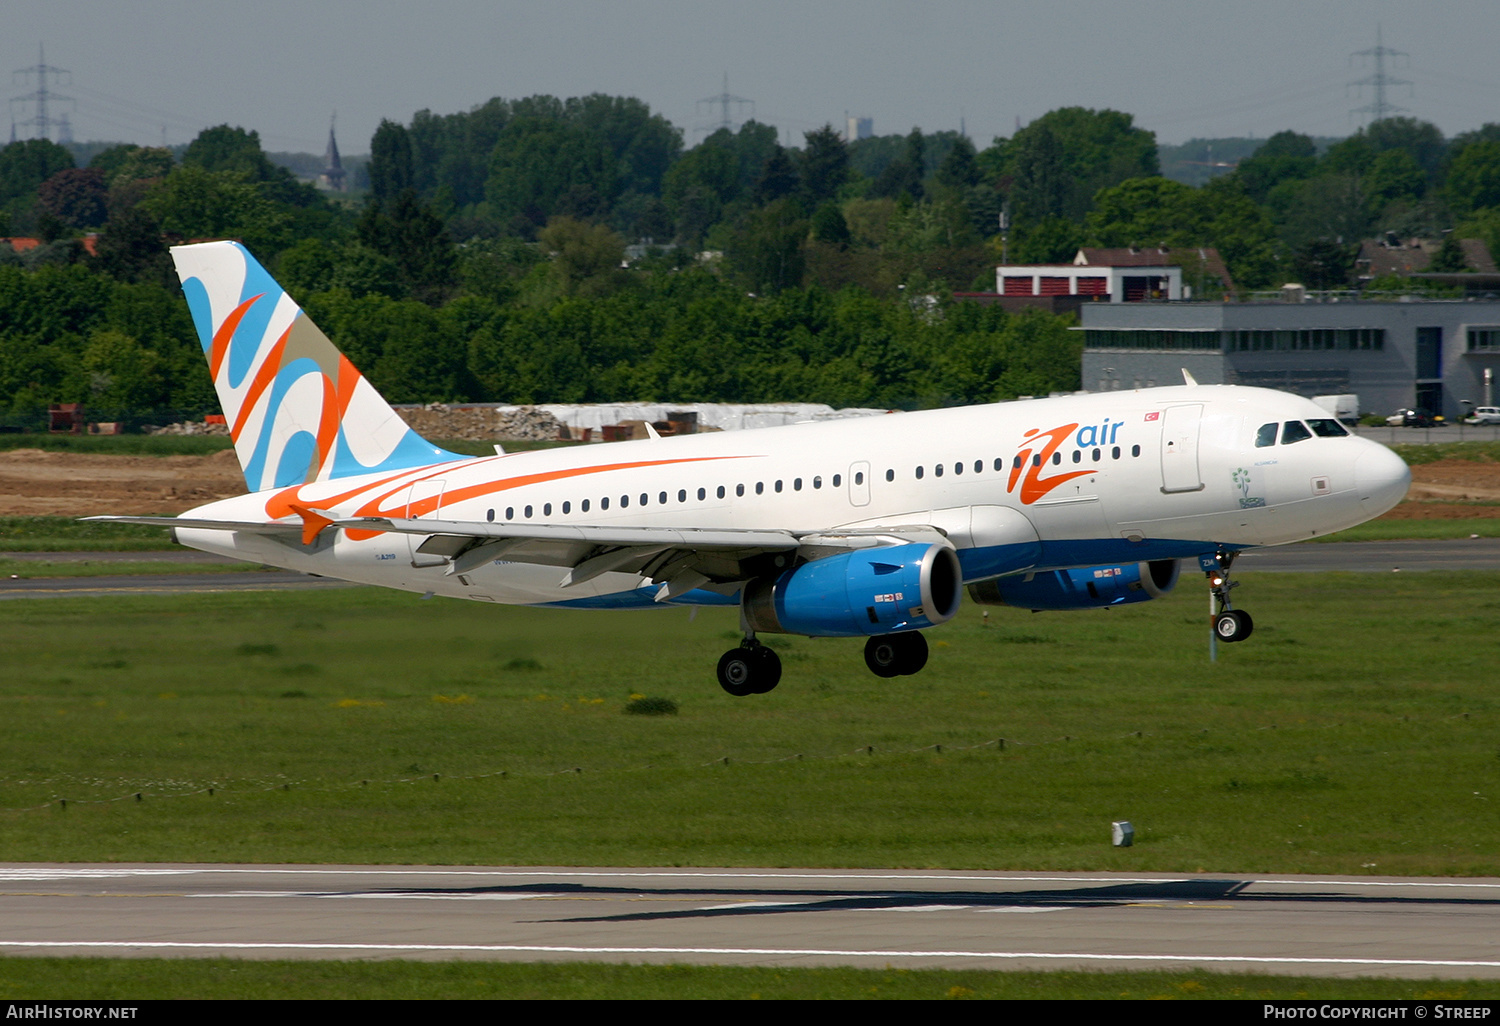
(1228, 624)
(751, 669)
(896, 655)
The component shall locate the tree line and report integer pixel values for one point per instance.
(577, 250)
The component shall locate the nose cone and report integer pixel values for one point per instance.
(1381, 479)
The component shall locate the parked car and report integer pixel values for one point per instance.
(1484, 415)
(1415, 418)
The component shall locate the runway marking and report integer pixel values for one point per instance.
(559, 949)
(85, 873)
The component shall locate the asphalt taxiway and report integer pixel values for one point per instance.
(1352, 557)
(1324, 926)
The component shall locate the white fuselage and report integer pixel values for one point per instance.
(1075, 481)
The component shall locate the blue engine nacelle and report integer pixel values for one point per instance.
(1092, 587)
(866, 591)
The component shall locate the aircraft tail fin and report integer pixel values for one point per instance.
(298, 410)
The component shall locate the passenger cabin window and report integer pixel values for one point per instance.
(1294, 431)
(1327, 428)
(1265, 436)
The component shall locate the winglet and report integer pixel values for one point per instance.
(313, 521)
(1188, 379)
(651, 431)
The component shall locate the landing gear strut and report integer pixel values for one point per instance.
(896, 655)
(751, 669)
(1229, 624)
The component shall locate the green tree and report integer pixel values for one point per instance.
(224, 148)
(1286, 156)
(194, 203)
(767, 248)
(23, 167)
(1474, 177)
(1394, 176)
(1323, 264)
(390, 165)
(585, 256)
(130, 249)
(1449, 259)
(537, 162)
(960, 168)
(75, 197)
(823, 166)
(778, 178)
(1062, 159)
(406, 232)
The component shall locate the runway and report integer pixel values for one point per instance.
(1413, 928)
(1352, 557)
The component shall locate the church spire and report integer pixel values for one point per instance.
(334, 176)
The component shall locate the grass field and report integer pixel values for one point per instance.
(68, 534)
(168, 979)
(119, 445)
(1355, 733)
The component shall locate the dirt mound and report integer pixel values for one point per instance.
(34, 482)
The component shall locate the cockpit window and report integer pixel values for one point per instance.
(1327, 428)
(1265, 436)
(1294, 431)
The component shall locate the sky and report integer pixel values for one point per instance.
(145, 70)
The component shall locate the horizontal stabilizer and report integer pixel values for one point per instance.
(274, 528)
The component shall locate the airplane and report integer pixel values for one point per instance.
(869, 527)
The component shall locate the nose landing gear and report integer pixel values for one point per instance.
(1229, 624)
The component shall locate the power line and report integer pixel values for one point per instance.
(722, 101)
(1381, 108)
(42, 98)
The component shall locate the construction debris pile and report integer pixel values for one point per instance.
(189, 427)
(481, 422)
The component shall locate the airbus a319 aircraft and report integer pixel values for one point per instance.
(857, 528)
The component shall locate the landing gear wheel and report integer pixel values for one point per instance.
(913, 653)
(896, 655)
(1234, 625)
(737, 672)
(750, 669)
(883, 656)
(767, 670)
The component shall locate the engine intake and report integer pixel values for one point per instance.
(1091, 587)
(863, 592)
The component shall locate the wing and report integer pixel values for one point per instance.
(679, 559)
